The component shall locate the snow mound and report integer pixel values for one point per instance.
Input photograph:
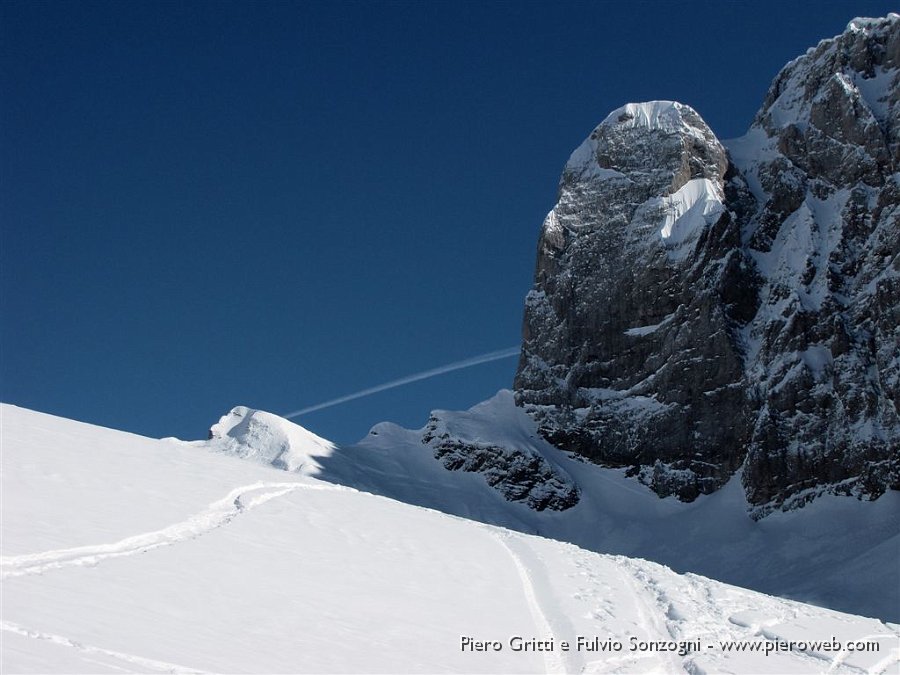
(270, 439)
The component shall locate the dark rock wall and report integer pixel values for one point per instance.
(697, 310)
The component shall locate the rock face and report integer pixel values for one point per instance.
(515, 470)
(699, 308)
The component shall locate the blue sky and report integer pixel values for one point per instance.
(276, 204)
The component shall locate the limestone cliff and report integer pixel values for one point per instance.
(701, 307)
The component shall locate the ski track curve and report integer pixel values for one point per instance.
(139, 664)
(217, 514)
(554, 661)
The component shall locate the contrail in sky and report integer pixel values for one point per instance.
(424, 375)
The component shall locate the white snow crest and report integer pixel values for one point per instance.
(680, 218)
(662, 115)
(690, 209)
(864, 24)
(269, 439)
(640, 331)
(552, 230)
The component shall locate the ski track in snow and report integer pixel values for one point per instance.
(140, 663)
(526, 565)
(685, 608)
(216, 515)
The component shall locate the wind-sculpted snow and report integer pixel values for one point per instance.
(316, 578)
(270, 439)
(696, 312)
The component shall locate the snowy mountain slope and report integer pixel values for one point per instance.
(234, 567)
(822, 350)
(794, 554)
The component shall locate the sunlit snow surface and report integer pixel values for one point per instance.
(837, 552)
(125, 554)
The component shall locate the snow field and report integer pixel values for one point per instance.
(280, 572)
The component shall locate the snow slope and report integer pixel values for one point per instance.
(121, 553)
(837, 552)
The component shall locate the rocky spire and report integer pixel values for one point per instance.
(696, 310)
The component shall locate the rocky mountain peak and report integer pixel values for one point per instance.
(833, 111)
(658, 159)
(669, 137)
(697, 310)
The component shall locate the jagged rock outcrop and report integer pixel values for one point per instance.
(698, 309)
(516, 471)
(633, 264)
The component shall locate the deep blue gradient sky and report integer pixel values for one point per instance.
(273, 204)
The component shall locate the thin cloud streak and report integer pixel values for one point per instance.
(424, 375)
